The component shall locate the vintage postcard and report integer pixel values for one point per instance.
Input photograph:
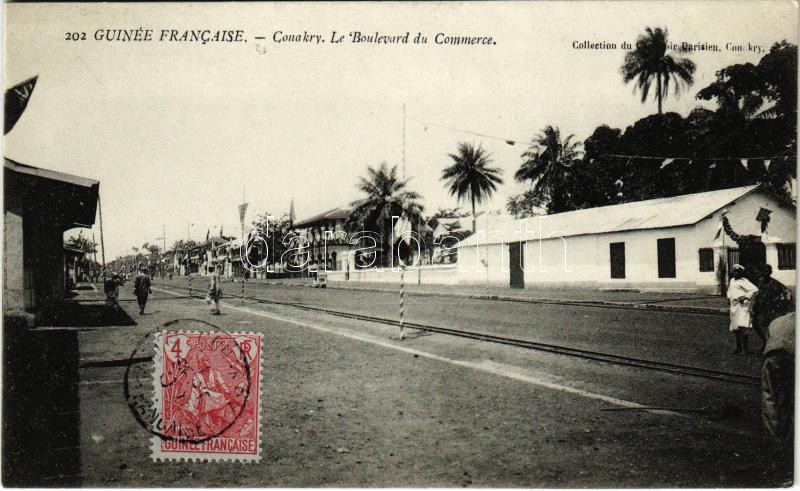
(400, 244)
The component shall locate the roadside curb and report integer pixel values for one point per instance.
(553, 301)
(685, 309)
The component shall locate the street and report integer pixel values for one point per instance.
(346, 403)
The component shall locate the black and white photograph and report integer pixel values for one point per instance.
(399, 244)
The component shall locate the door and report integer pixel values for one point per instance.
(516, 256)
(617, 259)
(666, 258)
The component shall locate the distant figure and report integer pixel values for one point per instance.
(772, 301)
(141, 288)
(777, 379)
(740, 291)
(214, 290)
(111, 288)
(170, 276)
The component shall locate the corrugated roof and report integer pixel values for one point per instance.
(332, 214)
(49, 174)
(674, 211)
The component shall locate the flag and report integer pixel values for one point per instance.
(720, 226)
(291, 213)
(401, 228)
(242, 211)
(17, 98)
(208, 234)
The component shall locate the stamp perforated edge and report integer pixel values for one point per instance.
(155, 442)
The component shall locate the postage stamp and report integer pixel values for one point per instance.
(207, 396)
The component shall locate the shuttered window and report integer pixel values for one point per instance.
(786, 256)
(617, 255)
(706, 260)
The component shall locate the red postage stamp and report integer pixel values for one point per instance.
(207, 395)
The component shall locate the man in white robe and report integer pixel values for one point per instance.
(740, 293)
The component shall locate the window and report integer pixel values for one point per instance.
(786, 256)
(617, 256)
(666, 258)
(706, 260)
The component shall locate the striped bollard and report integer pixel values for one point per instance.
(402, 303)
(190, 285)
(242, 289)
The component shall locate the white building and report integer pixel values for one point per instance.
(663, 244)
(668, 244)
(326, 243)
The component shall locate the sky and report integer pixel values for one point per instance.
(181, 133)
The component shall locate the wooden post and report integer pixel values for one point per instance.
(102, 243)
(402, 302)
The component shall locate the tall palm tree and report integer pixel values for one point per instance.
(650, 61)
(386, 196)
(546, 164)
(471, 175)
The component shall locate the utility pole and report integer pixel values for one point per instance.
(404, 142)
(102, 243)
(94, 250)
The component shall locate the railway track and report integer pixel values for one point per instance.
(666, 367)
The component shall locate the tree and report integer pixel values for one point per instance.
(386, 196)
(82, 243)
(778, 68)
(523, 205)
(756, 115)
(470, 175)
(449, 213)
(546, 164)
(738, 91)
(650, 61)
(276, 228)
(183, 245)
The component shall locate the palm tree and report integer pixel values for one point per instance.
(546, 163)
(385, 197)
(650, 61)
(471, 174)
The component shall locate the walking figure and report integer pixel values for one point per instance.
(214, 290)
(111, 288)
(740, 291)
(141, 288)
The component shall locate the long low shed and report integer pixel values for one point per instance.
(673, 243)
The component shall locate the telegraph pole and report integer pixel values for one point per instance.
(404, 142)
(102, 243)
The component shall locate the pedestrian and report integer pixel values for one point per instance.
(777, 380)
(740, 291)
(772, 301)
(111, 288)
(214, 290)
(141, 287)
